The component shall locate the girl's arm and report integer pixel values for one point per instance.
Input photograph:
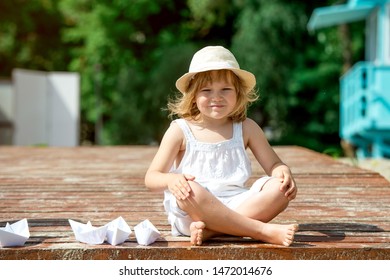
(255, 140)
(157, 176)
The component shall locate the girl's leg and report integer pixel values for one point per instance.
(212, 217)
(265, 204)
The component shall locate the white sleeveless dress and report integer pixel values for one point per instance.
(222, 168)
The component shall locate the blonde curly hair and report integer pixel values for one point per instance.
(184, 105)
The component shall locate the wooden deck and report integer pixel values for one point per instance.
(343, 211)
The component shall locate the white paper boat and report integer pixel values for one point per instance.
(117, 231)
(15, 234)
(86, 233)
(146, 233)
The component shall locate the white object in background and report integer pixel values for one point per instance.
(6, 112)
(87, 233)
(63, 109)
(117, 231)
(15, 234)
(146, 233)
(30, 101)
(46, 108)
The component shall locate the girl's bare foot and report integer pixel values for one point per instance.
(196, 229)
(279, 234)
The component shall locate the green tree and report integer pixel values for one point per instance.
(129, 54)
(30, 36)
(120, 46)
(297, 72)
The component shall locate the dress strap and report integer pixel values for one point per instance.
(237, 132)
(185, 128)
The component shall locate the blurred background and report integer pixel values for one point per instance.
(129, 53)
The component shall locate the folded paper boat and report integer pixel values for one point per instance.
(117, 231)
(15, 234)
(87, 233)
(146, 233)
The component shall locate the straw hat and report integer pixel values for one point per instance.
(215, 58)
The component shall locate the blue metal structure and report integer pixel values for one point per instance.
(365, 88)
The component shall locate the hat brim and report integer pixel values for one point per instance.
(248, 78)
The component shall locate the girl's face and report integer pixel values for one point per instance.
(217, 98)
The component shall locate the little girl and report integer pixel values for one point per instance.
(202, 164)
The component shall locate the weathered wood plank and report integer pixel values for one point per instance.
(343, 211)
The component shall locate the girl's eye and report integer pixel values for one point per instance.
(205, 90)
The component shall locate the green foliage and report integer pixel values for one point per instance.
(264, 43)
(120, 44)
(30, 36)
(130, 53)
(297, 72)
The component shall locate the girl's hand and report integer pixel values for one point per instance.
(288, 186)
(179, 186)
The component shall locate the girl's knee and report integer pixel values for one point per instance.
(198, 193)
(272, 187)
(197, 203)
(272, 184)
